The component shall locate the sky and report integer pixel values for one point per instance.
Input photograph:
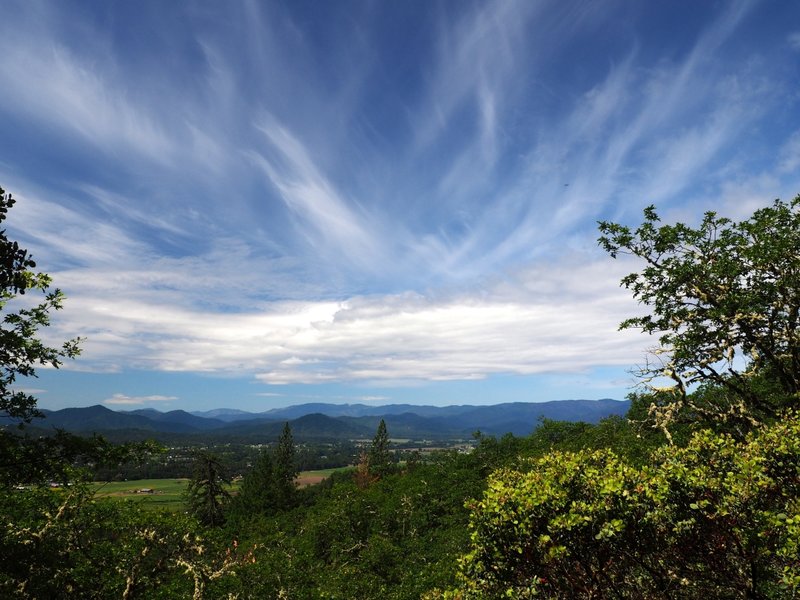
(255, 204)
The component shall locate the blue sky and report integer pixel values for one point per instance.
(257, 204)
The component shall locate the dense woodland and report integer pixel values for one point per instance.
(695, 493)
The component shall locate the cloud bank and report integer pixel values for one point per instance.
(379, 194)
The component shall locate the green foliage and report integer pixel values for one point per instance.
(207, 494)
(25, 458)
(625, 437)
(285, 469)
(255, 496)
(393, 539)
(608, 511)
(270, 485)
(64, 544)
(725, 300)
(715, 519)
(380, 457)
(20, 348)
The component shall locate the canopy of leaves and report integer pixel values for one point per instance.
(725, 305)
(719, 518)
(28, 458)
(20, 348)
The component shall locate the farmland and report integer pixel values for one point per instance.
(158, 494)
(168, 494)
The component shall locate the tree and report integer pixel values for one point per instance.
(67, 543)
(718, 519)
(270, 485)
(716, 516)
(20, 348)
(26, 459)
(380, 458)
(725, 303)
(206, 495)
(254, 496)
(285, 469)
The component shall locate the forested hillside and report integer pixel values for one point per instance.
(694, 493)
(333, 421)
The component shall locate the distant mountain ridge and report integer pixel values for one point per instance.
(337, 421)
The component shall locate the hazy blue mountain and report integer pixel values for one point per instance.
(179, 418)
(521, 418)
(320, 408)
(406, 425)
(224, 414)
(322, 426)
(99, 418)
(94, 418)
(362, 410)
(335, 421)
(313, 426)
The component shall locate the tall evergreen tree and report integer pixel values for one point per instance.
(380, 458)
(270, 485)
(255, 495)
(206, 495)
(285, 470)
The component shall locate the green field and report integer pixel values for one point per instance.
(167, 494)
(163, 494)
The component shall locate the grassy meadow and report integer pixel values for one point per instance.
(168, 494)
(159, 494)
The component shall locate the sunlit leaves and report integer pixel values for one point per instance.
(21, 351)
(725, 304)
(717, 518)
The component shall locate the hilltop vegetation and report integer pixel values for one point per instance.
(695, 493)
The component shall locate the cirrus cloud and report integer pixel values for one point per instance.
(123, 399)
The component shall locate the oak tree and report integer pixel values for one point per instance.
(724, 301)
(21, 350)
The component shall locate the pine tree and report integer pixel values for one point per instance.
(206, 495)
(270, 485)
(285, 470)
(380, 458)
(255, 495)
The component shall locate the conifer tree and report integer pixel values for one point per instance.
(206, 495)
(285, 469)
(270, 485)
(380, 458)
(255, 495)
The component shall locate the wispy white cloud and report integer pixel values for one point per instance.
(789, 156)
(123, 399)
(31, 390)
(643, 133)
(474, 60)
(313, 198)
(542, 320)
(271, 220)
(640, 136)
(48, 83)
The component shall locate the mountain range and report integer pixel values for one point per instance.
(330, 421)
